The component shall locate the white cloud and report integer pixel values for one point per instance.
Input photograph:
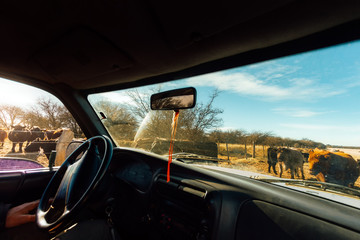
(299, 113)
(248, 85)
(271, 70)
(241, 83)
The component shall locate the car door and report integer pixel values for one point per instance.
(35, 132)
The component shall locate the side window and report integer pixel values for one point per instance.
(35, 128)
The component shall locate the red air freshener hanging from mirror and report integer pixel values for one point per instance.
(172, 139)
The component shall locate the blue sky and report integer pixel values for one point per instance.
(313, 95)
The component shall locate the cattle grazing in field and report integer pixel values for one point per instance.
(46, 145)
(291, 159)
(3, 136)
(45, 141)
(18, 135)
(333, 167)
(272, 159)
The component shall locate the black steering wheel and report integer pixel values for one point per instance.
(71, 186)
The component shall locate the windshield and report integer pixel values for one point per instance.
(294, 117)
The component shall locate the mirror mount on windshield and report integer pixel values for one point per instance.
(183, 98)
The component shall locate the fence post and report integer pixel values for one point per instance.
(64, 140)
(263, 151)
(245, 150)
(253, 150)
(227, 150)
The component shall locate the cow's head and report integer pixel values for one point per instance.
(17, 127)
(57, 133)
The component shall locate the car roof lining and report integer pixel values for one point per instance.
(336, 35)
(91, 45)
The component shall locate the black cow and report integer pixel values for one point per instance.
(18, 135)
(291, 159)
(46, 145)
(36, 133)
(272, 159)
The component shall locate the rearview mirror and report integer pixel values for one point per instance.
(173, 100)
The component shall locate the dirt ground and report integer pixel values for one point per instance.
(260, 166)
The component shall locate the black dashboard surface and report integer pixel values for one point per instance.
(199, 203)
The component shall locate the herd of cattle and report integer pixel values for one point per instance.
(33, 138)
(332, 167)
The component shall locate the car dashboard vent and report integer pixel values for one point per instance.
(182, 186)
(181, 208)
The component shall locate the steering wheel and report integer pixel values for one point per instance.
(71, 186)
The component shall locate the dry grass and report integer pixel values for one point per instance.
(238, 151)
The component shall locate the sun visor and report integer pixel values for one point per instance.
(82, 54)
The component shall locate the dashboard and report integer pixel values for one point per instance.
(202, 204)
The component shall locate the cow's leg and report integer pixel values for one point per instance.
(296, 172)
(274, 168)
(302, 172)
(269, 170)
(292, 172)
(281, 169)
(13, 147)
(20, 146)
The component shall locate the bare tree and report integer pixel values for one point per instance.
(257, 138)
(11, 115)
(118, 119)
(68, 121)
(202, 117)
(51, 110)
(141, 101)
(229, 136)
(50, 114)
(192, 123)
